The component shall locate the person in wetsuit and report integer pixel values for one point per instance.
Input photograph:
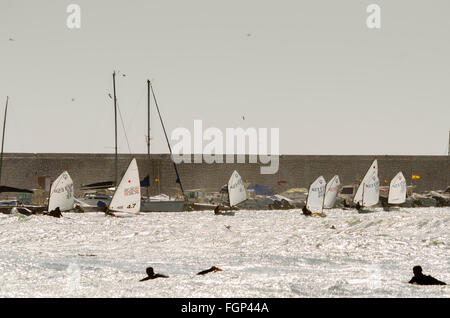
(306, 211)
(421, 279)
(358, 206)
(151, 275)
(217, 210)
(212, 269)
(55, 213)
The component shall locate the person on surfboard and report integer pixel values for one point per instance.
(421, 279)
(212, 269)
(151, 275)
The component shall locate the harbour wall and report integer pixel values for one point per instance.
(24, 169)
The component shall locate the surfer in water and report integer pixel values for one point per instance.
(358, 206)
(212, 269)
(217, 210)
(421, 279)
(151, 275)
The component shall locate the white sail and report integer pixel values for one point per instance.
(61, 193)
(331, 191)
(314, 201)
(236, 189)
(371, 193)
(397, 189)
(127, 197)
(373, 171)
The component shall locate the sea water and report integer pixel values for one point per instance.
(262, 254)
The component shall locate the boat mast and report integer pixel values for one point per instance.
(168, 143)
(148, 136)
(115, 129)
(3, 138)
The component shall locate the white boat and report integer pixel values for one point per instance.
(331, 191)
(397, 189)
(127, 197)
(368, 193)
(316, 194)
(236, 189)
(61, 193)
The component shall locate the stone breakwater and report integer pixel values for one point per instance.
(295, 171)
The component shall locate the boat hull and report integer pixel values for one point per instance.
(164, 206)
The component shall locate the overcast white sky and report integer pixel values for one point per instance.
(311, 68)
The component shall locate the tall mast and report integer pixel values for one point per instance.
(3, 138)
(148, 136)
(115, 129)
(168, 143)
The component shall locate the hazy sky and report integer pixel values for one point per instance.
(311, 68)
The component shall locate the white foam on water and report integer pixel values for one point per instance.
(262, 254)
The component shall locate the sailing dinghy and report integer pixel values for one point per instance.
(316, 195)
(127, 197)
(368, 193)
(397, 192)
(236, 193)
(61, 193)
(331, 191)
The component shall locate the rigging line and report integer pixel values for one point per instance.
(167, 139)
(123, 126)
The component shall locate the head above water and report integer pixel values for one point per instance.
(417, 270)
(150, 271)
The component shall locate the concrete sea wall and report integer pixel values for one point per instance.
(24, 169)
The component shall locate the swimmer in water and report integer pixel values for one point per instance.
(421, 279)
(151, 275)
(212, 269)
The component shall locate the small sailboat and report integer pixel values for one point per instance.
(61, 193)
(331, 191)
(316, 196)
(397, 192)
(153, 204)
(127, 196)
(236, 193)
(368, 193)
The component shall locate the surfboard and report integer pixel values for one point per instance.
(61, 193)
(331, 191)
(397, 189)
(316, 193)
(127, 197)
(236, 189)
